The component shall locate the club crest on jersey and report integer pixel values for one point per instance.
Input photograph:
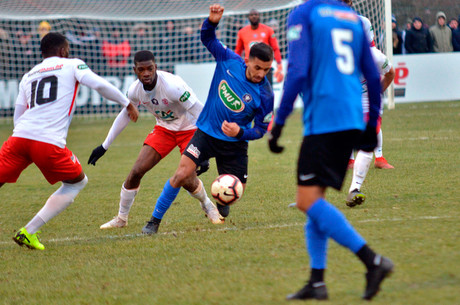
(165, 101)
(184, 97)
(229, 98)
(247, 98)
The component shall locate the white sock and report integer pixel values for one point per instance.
(55, 204)
(362, 162)
(378, 150)
(200, 193)
(126, 201)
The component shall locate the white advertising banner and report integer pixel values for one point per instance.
(427, 77)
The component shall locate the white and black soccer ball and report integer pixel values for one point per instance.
(227, 189)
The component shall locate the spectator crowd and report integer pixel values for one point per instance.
(418, 37)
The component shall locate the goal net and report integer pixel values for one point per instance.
(107, 33)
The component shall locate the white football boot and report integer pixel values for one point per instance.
(211, 212)
(116, 222)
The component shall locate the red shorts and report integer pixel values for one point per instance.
(55, 163)
(164, 140)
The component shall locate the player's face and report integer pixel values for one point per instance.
(254, 17)
(257, 69)
(145, 71)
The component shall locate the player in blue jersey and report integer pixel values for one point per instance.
(328, 52)
(238, 109)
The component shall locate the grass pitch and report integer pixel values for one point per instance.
(258, 256)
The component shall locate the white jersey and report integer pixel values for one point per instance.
(368, 30)
(172, 102)
(169, 101)
(383, 66)
(47, 94)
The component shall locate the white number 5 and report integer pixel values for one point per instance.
(345, 61)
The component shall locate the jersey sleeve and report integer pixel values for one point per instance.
(299, 52)
(239, 44)
(132, 95)
(371, 74)
(179, 91)
(274, 44)
(21, 103)
(90, 79)
(214, 46)
(382, 62)
(263, 115)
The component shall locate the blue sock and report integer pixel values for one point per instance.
(333, 224)
(316, 245)
(165, 200)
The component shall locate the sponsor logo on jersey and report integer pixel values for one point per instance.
(346, 15)
(247, 98)
(165, 115)
(82, 67)
(268, 117)
(184, 97)
(154, 101)
(229, 98)
(294, 32)
(194, 151)
(42, 70)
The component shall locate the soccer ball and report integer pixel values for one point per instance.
(227, 189)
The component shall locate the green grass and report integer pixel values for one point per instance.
(258, 256)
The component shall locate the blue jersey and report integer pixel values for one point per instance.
(328, 52)
(232, 97)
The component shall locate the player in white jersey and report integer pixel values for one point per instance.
(380, 161)
(363, 158)
(43, 111)
(176, 109)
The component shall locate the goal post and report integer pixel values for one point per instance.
(107, 33)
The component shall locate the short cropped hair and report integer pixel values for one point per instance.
(143, 56)
(51, 43)
(261, 51)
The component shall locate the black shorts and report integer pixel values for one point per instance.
(323, 158)
(231, 157)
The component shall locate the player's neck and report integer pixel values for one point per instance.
(255, 27)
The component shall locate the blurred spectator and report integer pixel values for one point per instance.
(167, 42)
(418, 39)
(142, 38)
(453, 24)
(27, 48)
(456, 37)
(257, 32)
(116, 51)
(43, 28)
(404, 32)
(188, 44)
(397, 37)
(5, 64)
(441, 34)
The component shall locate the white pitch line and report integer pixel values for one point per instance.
(295, 224)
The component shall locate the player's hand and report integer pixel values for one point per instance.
(279, 76)
(133, 112)
(368, 139)
(96, 154)
(273, 137)
(230, 129)
(202, 168)
(215, 13)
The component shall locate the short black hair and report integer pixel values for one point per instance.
(51, 43)
(261, 51)
(143, 55)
